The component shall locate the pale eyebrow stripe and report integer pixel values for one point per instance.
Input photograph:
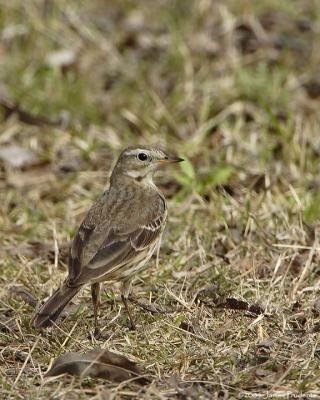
(136, 151)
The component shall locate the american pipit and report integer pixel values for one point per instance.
(118, 235)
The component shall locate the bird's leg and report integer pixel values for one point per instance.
(132, 325)
(95, 293)
(125, 291)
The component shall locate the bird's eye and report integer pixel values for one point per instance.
(142, 156)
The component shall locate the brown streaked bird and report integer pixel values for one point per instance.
(118, 235)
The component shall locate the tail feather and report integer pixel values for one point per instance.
(51, 310)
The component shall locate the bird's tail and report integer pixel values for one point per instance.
(51, 310)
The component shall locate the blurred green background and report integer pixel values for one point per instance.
(233, 85)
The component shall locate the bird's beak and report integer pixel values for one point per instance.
(170, 160)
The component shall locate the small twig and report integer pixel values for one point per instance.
(25, 295)
(25, 116)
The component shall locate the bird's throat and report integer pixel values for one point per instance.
(146, 179)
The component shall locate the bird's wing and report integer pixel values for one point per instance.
(104, 247)
(82, 239)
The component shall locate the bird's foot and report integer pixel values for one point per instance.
(132, 325)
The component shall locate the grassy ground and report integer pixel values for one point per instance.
(234, 86)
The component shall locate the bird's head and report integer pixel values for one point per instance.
(141, 162)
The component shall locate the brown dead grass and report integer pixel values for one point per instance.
(234, 87)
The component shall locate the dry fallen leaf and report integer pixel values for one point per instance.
(97, 364)
(32, 249)
(210, 291)
(17, 156)
(218, 300)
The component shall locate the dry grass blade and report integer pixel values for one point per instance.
(306, 268)
(153, 308)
